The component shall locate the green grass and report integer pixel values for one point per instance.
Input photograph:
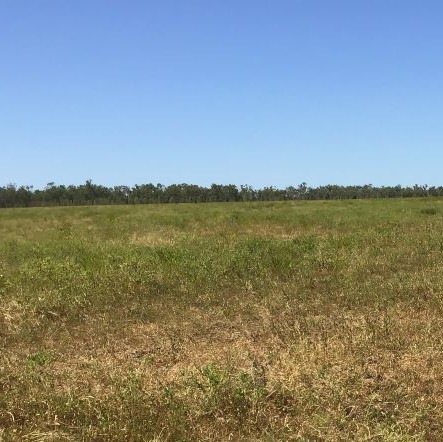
(242, 321)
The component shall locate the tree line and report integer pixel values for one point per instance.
(89, 193)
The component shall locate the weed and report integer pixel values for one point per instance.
(429, 211)
(39, 358)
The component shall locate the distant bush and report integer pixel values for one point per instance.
(95, 194)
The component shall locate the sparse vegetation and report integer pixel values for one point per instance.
(238, 321)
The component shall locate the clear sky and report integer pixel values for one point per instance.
(259, 92)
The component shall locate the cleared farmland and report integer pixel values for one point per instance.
(235, 321)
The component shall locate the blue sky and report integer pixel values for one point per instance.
(252, 92)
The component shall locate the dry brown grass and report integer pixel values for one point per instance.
(273, 334)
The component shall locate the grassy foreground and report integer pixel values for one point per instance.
(238, 321)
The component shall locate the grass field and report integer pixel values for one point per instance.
(246, 322)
